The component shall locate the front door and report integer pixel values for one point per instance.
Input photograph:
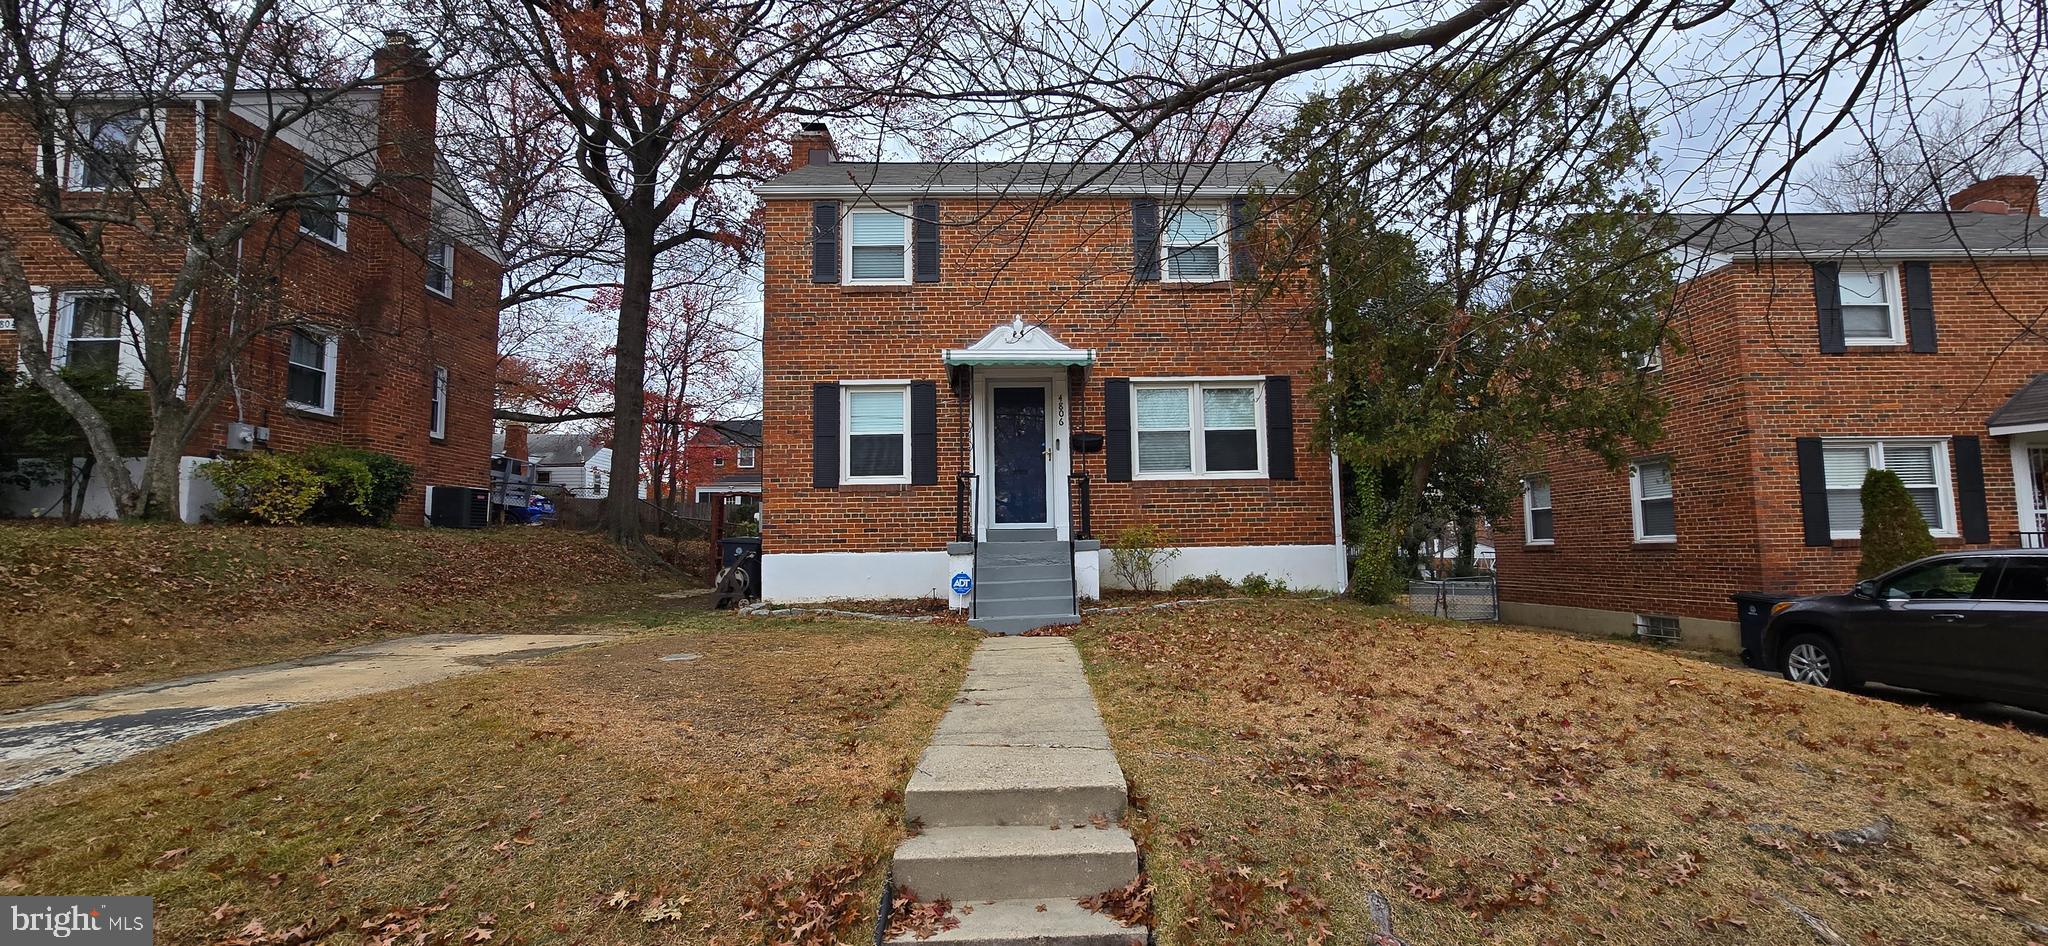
(1022, 454)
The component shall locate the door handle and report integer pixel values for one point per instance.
(1947, 616)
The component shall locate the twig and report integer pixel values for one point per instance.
(1821, 930)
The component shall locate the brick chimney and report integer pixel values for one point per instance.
(2005, 194)
(812, 145)
(515, 441)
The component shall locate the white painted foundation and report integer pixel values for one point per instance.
(196, 494)
(1303, 567)
(788, 577)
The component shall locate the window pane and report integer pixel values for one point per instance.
(438, 257)
(1655, 480)
(1658, 518)
(308, 351)
(1164, 451)
(1862, 321)
(1230, 451)
(320, 214)
(1190, 226)
(875, 412)
(1928, 499)
(1942, 581)
(304, 385)
(1845, 510)
(1162, 408)
(1228, 408)
(1845, 466)
(1914, 463)
(1864, 287)
(1196, 262)
(875, 455)
(1539, 494)
(2024, 579)
(876, 227)
(878, 262)
(94, 317)
(99, 355)
(1540, 524)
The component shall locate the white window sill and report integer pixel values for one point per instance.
(1858, 536)
(1873, 342)
(1540, 543)
(902, 281)
(449, 295)
(1656, 540)
(874, 481)
(310, 409)
(1171, 477)
(339, 244)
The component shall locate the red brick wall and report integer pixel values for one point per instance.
(393, 331)
(1750, 380)
(1066, 268)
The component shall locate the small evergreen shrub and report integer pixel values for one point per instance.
(1259, 586)
(271, 488)
(362, 487)
(1207, 586)
(1894, 532)
(1138, 552)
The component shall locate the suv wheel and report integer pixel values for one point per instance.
(1813, 659)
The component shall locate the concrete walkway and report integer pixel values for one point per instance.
(1017, 801)
(45, 743)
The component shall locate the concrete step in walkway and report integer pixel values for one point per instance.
(1017, 801)
(1022, 584)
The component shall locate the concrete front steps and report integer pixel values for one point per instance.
(1023, 580)
(1017, 801)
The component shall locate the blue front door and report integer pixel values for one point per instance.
(1017, 418)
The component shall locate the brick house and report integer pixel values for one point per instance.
(396, 280)
(1811, 348)
(722, 460)
(990, 370)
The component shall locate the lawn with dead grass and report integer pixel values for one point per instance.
(1299, 760)
(599, 796)
(101, 606)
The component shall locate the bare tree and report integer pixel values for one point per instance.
(1917, 165)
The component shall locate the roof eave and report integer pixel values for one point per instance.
(898, 192)
(1927, 253)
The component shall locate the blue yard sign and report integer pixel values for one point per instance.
(962, 583)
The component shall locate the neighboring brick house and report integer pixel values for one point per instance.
(987, 369)
(1811, 347)
(398, 282)
(722, 460)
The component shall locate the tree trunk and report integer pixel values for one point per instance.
(1468, 542)
(74, 490)
(636, 294)
(160, 491)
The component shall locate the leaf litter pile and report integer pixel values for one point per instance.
(115, 604)
(1316, 772)
(601, 796)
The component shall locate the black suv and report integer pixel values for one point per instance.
(1969, 624)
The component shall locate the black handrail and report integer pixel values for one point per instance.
(1087, 529)
(963, 507)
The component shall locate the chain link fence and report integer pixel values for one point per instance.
(1460, 599)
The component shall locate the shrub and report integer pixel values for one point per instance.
(1259, 586)
(271, 488)
(1894, 532)
(1377, 575)
(1207, 586)
(1137, 554)
(361, 487)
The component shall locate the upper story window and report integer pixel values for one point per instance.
(745, 457)
(1537, 523)
(1921, 464)
(441, 268)
(1198, 428)
(324, 213)
(108, 151)
(1656, 516)
(309, 372)
(876, 448)
(1191, 245)
(877, 246)
(1871, 313)
(1652, 360)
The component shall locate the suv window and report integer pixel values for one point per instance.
(2024, 579)
(1956, 578)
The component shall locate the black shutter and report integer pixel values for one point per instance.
(824, 436)
(924, 433)
(1976, 522)
(1116, 428)
(1813, 491)
(1279, 427)
(1145, 240)
(1242, 266)
(825, 241)
(1827, 304)
(1919, 306)
(924, 241)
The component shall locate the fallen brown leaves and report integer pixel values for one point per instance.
(909, 916)
(819, 910)
(1130, 904)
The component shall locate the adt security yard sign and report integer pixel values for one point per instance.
(962, 583)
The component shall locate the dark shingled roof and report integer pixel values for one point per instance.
(2028, 407)
(918, 178)
(1817, 236)
(745, 433)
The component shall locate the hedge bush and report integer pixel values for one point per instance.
(1894, 532)
(270, 488)
(363, 487)
(326, 485)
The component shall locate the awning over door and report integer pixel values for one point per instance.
(2025, 412)
(1019, 344)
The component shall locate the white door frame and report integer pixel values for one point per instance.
(2032, 509)
(1054, 381)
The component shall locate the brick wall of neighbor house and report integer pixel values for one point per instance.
(393, 332)
(1748, 382)
(1066, 268)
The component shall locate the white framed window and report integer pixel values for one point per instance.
(1650, 492)
(1652, 360)
(874, 439)
(877, 246)
(92, 335)
(1188, 429)
(1538, 526)
(309, 371)
(1921, 463)
(1662, 628)
(1192, 245)
(324, 213)
(108, 151)
(437, 413)
(441, 268)
(718, 462)
(744, 456)
(1871, 313)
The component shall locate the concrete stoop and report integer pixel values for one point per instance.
(1016, 802)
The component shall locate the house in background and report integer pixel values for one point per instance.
(975, 374)
(722, 462)
(403, 274)
(572, 463)
(1812, 348)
